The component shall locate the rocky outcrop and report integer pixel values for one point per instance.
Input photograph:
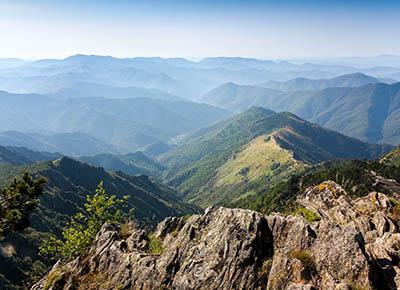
(349, 244)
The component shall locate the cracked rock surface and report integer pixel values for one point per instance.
(354, 244)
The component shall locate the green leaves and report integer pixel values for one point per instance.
(81, 230)
(18, 200)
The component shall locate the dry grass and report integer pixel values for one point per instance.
(261, 157)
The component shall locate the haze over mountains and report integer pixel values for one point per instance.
(122, 105)
(304, 84)
(369, 112)
(177, 135)
(125, 124)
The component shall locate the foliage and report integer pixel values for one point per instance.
(52, 279)
(17, 201)
(307, 214)
(155, 244)
(83, 227)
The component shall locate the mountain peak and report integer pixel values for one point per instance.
(69, 163)
(256, 110)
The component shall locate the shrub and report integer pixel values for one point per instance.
(52, 279)
(155, 244)
(83, 227)
(395, 210)
(17, 201)
(125, 230)
(307, 214)
(305, 258)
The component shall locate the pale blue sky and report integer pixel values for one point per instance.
(280, 29)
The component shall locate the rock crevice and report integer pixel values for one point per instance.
(355, 244)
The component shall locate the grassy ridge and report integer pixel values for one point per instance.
(221, 163)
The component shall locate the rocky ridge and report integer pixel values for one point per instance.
(337, 243)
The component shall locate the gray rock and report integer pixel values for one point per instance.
(355, 245)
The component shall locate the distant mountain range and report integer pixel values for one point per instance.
(175, 76)
(369, 113)
(123, 124)
(95, 90)
(304, 84)
(253, 150)
(75, 144)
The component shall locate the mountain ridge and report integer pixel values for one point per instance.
(229, 146)
(303, 84)
(368, 113)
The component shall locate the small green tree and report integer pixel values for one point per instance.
(81, 230)
(17, 201)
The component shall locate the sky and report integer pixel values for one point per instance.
(33, 29)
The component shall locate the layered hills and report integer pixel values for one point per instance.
(369, 113)
(250, 152)
(304, 84)
(125, 125)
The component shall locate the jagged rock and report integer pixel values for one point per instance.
(355, 245)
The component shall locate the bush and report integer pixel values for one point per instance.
(52, 279)
(305, 258)
(83, 227)
(17, 201)
(307, 214)
(125, 230)
(155, 244)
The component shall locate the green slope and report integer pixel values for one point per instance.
(357, 177)
(393, 157)
(251, 151)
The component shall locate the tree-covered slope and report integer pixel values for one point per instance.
(69, 181)
(8, 156)
(369, 113)
(393, 157)
(22, 155)
(253, 150)
(131, 163)
(357, 177)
